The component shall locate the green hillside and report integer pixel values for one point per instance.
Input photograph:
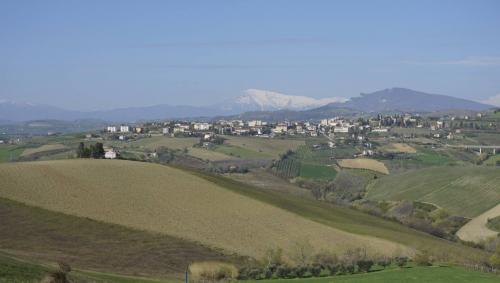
(466, 191)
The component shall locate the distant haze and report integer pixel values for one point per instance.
(99, 55)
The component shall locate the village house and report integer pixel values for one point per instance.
(124, 129)
(280, 128)
(201, 126)
(110, 154)
(111, 129)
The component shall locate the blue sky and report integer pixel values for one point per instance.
(106, 54)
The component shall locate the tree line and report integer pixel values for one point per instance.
(92, 151)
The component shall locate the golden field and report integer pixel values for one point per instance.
(171, 201)
(364, 163)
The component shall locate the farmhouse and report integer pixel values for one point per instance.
(110, 154)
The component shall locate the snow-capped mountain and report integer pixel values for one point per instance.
(264, 100)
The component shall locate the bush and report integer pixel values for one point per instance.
(365, 265)
(401, 261)
(423, 258)
(212, 271)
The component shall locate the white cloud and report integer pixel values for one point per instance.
(494, 100)
(473, 61)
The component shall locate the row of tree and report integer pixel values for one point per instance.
(93, 151)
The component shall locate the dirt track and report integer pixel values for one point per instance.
(476, 229)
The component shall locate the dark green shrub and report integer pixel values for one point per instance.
(365, 265)
(401, 261)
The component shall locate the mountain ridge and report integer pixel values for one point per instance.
(256, 103)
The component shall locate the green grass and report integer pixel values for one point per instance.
(10, 152)
(461, 190)
(349, 220)
(492, 160)
(313, 171)
(415, 274)
(12, 270)
(494, 224)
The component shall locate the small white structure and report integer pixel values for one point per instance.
(280, 128)
(341, 129)
(110, 154)
(166, 131)
(255, 123)
(380, 130)
(111, 129)
(201, 126)
(124, 129)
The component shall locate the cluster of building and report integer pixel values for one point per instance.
(356, 128)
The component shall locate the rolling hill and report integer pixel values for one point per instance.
(173, 202)
(465, 191)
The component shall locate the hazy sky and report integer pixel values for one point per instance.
(106, 54)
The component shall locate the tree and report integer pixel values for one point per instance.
(495, 258)
(97, 150)
(80, 151)
(364, 265)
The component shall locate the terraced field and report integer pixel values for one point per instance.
(462, 190)
(174, 202)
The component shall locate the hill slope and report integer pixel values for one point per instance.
(465, 191)
(170, 201)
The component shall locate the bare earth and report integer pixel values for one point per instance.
(476, 230)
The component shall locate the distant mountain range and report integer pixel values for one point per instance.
(256, 103)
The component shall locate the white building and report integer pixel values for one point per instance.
(124, 129)
(166, 131)
(380, 130)
(255, 123)
(341, 129)
(280, 128)
(110, 154)
(111, 129)
(201, 126)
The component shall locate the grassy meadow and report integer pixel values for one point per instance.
(462, 190)
(435, 274)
